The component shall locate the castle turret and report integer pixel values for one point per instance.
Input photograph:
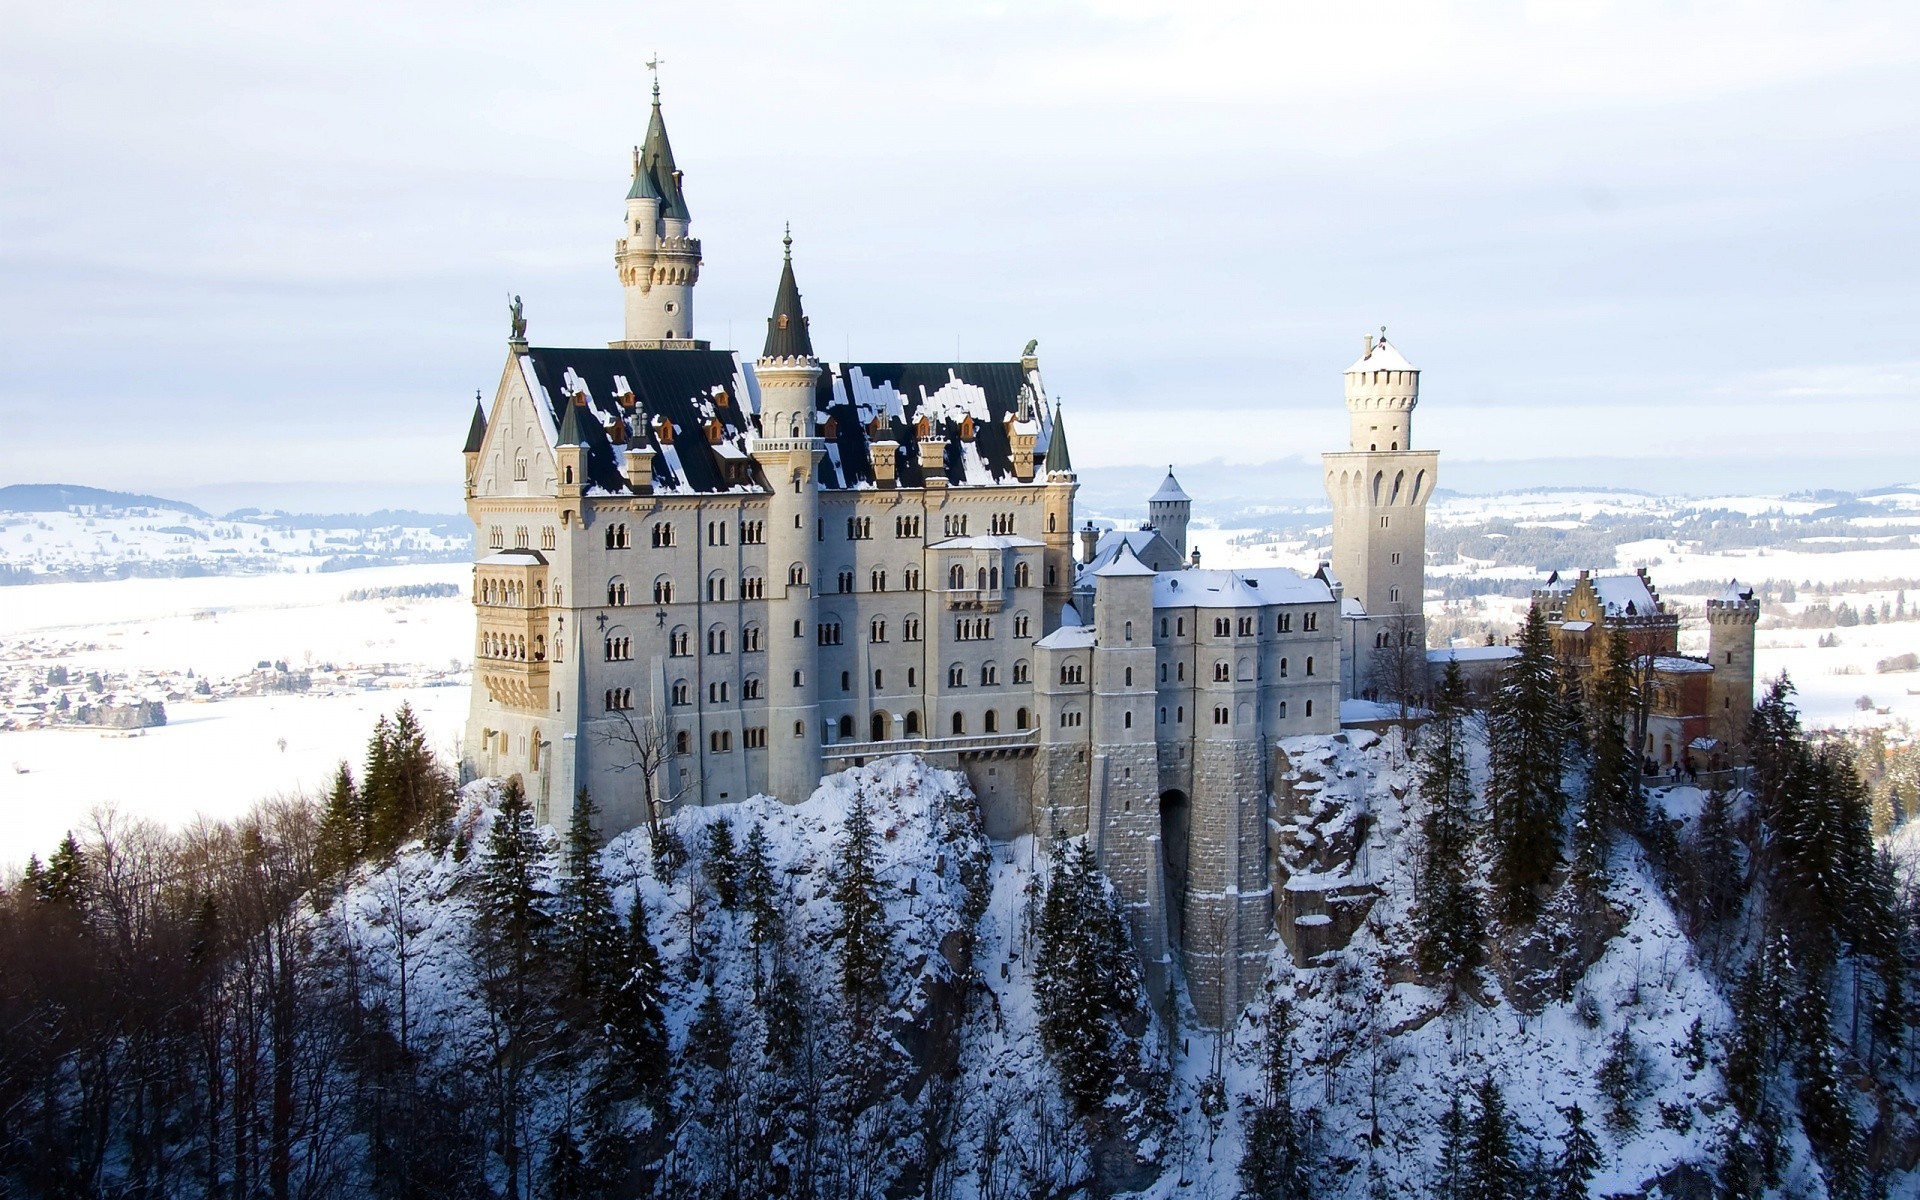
(1379, 488)
(476, 440)
(1061, 483)
(789, 454)
(1168, 511)
(657, 257)
(1731, 621)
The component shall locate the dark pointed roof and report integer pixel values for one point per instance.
(570, 432)
(656, 160)
(1057, 457)
(787, 328)
(476, 432)
(643, 187)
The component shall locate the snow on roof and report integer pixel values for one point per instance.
(1125, 563)
(986, 542)
(1617, 592)
(1068, 637)
(514, 558)
(1169, 490)
(1197, 588)
(1069, 615)
(1576, 626)
(1704, 743)
(1473, 654)
(1670, 665)
(1736, 593)
(1382, 357)
(1351, 607)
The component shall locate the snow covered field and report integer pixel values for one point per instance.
(217, 758)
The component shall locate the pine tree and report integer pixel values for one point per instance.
(589, 930)
(567, 1176)
(862, 932)
(1622, 1074)
(1450, 928)
(1526, 750)
(1824, 1109)
(1579, 1158)
(1273, 1160)
(723, 864)
(1613, 776)
(66, 880)
(635, 1021)
(341, 842)
(1719, 881)
(1491, 1167)
(1451, 1181)
(1086, 980)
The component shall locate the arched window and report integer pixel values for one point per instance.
(1022, 671)
(959, 724)
(716, 587)
(983, 579)
(1309, 708)
(797, 575)
(1020, 718)
(663, 590)
(846, 728)
(1309, 664)
(680, 642)
(616, 592)
(956, 578)
(913, 723)
(717, 640)
(1129, 677)
(1022, 577)
(990, 723)
(879, 727)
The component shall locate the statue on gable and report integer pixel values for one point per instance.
(519, 320)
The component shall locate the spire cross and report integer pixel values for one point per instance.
(653, 64)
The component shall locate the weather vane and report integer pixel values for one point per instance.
(653, 64)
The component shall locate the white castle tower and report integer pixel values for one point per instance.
(1379, 487)
(1168, 511)
(790, 453)
(656, 255)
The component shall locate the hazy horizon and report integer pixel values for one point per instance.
(265, 252)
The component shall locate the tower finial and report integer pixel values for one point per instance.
(653, 64)
(787, 241)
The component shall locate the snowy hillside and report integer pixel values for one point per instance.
(51, 533)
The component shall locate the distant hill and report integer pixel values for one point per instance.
(58, 497)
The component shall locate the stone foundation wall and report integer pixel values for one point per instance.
(1228, 914)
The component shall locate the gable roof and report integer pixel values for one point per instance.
(684, 389)
(1238, 589)
(1147, 545)
(869, 402)
(1125, 563)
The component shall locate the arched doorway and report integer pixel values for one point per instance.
(1176, 823)
(846, 728)
(882, 726)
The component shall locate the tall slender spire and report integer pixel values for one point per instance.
(477, 432)
(787, 335)
(1057, 457)
(656, 161)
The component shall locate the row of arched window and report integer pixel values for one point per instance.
(513, 647)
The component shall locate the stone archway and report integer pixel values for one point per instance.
(881, 727)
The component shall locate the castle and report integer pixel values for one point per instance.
(702, 577)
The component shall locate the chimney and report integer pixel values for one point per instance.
(640, 468)
(886, 462)
(933, 461)
(1196, 558)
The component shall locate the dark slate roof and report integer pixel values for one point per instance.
(656, 156)
(677, 386)
(895, 396)
(787, 335)
(1057, 457)
(644, 188)
(476, 432)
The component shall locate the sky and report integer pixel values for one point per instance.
(260, 254)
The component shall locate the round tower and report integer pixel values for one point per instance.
(1379, 488)
(1382, 390)
(1168, 511)
(656, 256)
(1731, 621)
(789, 454)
